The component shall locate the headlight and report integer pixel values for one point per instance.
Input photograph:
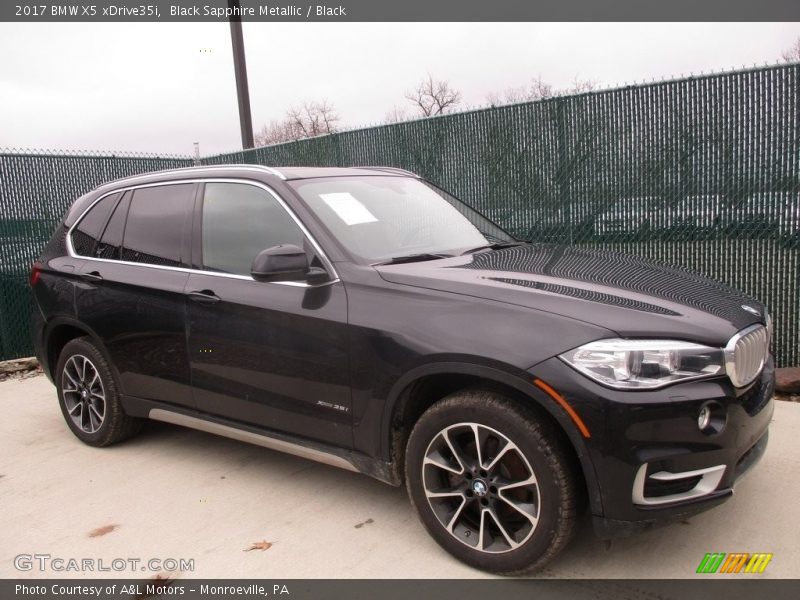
(644, 364)
(768, 321)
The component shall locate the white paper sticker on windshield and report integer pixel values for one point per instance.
(349, 210)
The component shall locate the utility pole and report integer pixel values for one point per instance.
(240, 68)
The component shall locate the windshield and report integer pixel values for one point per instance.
(380, 218)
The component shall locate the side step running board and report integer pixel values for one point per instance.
(250, 437)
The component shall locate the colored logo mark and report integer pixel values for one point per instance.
(735, 562)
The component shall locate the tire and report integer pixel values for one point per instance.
(550, 502)
(89, 398)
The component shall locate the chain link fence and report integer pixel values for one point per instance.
(35, 191)
(703, 172)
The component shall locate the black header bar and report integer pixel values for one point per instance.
(399, 10)
(710, 588)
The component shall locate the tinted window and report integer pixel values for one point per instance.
(155, 224)
(239, 221)
(90, 227)
(110, 241)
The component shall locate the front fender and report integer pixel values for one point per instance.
(518, 380)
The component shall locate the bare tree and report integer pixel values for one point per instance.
(511, 95)
(539, 89)
(305, 121)
(434, 97)
(792, 53)
(397, 114)
(274, 132)
(581, 86)
(313, 119)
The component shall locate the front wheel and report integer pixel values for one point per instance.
(491, 482)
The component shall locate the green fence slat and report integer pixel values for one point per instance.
(701, 172)
(35, 191)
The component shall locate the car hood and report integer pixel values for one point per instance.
(631, 296)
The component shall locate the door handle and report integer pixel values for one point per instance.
(204, 296)
(91, 276)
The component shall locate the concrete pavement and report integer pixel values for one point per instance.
(180, 494)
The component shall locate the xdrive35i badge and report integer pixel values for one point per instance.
(751, 310)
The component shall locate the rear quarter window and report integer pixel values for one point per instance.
(111, 240)
(89, 229)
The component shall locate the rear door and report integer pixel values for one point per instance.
(132, 294)
(269, 354)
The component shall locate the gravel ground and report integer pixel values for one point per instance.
(243, 511)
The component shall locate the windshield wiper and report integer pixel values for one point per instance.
(408, 258)
(495, 246)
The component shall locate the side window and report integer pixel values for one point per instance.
(111, 240)
(90, 227)
(239, 221)
(155, 224)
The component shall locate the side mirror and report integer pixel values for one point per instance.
(286, 262)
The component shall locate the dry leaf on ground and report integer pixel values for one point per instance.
(102, 530)
(262, 545)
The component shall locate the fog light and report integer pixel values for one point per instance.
(704, 418)
(711, 418)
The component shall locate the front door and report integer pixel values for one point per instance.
(268, 354)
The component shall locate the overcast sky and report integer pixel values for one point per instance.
(159, 87)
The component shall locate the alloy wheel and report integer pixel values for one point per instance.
(84, 394)
(481, 487)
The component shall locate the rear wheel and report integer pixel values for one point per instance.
(89, 397)
(491, 482)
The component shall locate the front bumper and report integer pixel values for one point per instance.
(651, 462)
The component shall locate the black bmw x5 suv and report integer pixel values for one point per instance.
(369, 320)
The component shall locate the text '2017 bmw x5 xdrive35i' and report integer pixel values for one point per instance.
(367, 319)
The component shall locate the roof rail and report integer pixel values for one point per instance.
(389, 170)
(275, 172)
(260, 168)
(253, 167)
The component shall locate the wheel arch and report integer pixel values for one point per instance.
(421, 387)
(58, 333)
